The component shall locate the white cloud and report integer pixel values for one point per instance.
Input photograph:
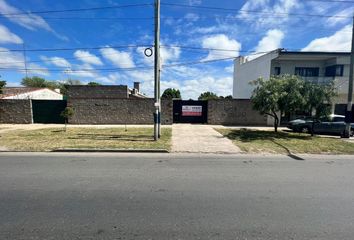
(271, 41)
(169, 54)
(14, 61)
(279, 8)
(195, 2)
(120, 59)
(56, 61)
(339, 41)
(8, 37)
(29, 21)
(333, 21)
(221, 41)
(87, 57)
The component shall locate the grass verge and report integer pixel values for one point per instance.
(81, 138)
(256, 141)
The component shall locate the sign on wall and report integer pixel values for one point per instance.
(192, 110)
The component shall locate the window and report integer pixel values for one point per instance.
(307, 71)
(276, 70)
(334, 71)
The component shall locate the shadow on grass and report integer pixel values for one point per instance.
(291, 155)
(133, 138)
(246, 135)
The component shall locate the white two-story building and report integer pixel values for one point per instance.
(318, 67)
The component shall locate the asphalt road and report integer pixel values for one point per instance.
(162, 196)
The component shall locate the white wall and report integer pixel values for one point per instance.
(42, 94)
(245, 72)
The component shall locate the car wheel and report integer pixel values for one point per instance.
(351, 132)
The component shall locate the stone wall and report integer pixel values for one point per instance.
(234, 112)
(118, 111)
(15, 111)
(101, 92)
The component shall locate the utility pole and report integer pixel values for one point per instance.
(350, 90)
(25, 59)
(157, 71)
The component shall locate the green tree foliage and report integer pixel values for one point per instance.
(67, 113)
(171, 93)
(34, 81)
(93, 84)
(266, 97)
(2, 85)
(288, 94)
(39, 82)
(319, 98)
(208, 96)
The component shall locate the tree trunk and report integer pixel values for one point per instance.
(276, 122)
(66, 122)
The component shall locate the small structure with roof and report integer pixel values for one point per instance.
(30, 93)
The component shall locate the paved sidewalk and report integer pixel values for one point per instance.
(200, 139)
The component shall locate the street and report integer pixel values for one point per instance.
(175, 196)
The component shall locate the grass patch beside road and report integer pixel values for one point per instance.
(90, 138)
(256, 141)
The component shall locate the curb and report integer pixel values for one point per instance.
(112, 150)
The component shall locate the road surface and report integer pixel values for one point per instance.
(173, 196)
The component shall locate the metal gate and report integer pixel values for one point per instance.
(190, 111)
(48, 111)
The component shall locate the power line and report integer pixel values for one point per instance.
(252, 11)
(87, 18)
(74, 48)
(78, 9)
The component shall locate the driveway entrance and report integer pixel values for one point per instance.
(198, 138)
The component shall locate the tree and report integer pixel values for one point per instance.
(34, 81)
(171, 93)
(265, 98)
(319, 98)
(288, 94)
(66, 114)
(38, 82)
(93, 84)
(2, 85)
(207, 96)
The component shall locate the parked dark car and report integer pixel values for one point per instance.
(331, 125)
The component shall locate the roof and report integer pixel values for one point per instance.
(284, 52)
(13, 91)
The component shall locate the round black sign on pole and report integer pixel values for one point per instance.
(148, 52)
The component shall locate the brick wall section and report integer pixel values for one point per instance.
(234, 112)
(102, 92)
(118, 111)
(15, 111)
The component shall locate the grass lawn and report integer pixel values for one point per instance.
(256, 141)
(92, 138)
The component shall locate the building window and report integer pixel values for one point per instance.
(276, 70)
(334, 71)
(307, 71)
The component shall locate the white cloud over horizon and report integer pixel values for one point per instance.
(120, 59)
(339, 41)
(221, 41)
(6, 36)
(271, 41)
(27, 20)
(87, 57)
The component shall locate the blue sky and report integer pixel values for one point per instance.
(251, 26)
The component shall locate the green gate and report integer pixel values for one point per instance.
(48, 111)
